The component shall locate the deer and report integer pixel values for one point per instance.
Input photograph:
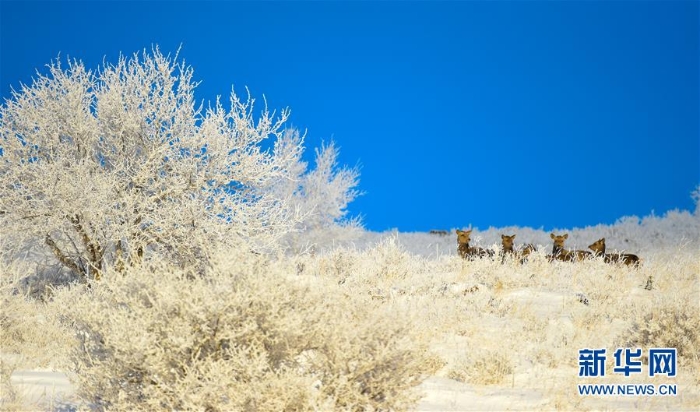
(527, 250)
(559, 253)
(508, 249)
(466, 251)
(507, 243)
(439, 232)
(598, 248)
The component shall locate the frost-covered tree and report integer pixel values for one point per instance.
(105, 167)
(327, 190)
(320, 195)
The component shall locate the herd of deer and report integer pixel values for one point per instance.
(558, 250)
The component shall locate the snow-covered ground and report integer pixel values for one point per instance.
(44, 388)
(508, 334)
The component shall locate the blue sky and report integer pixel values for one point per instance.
(537, 113)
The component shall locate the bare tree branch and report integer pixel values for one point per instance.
(65, 260)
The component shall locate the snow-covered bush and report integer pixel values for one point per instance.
(670, 326)
(246, 336)
(669, 316)
(487, 367)
(30, 335)
(106, 168)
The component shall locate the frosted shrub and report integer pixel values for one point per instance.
(671, 325)
(30, 335)
(244, 337)
(670, 315)
(487, 367)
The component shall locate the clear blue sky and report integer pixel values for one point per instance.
(536, 113)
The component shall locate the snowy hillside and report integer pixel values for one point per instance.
(498, 336)
(676, 229)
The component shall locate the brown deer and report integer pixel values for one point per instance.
(508, 243)
(560, 253)
(598, 248)
(527, 250)
(466, 251)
